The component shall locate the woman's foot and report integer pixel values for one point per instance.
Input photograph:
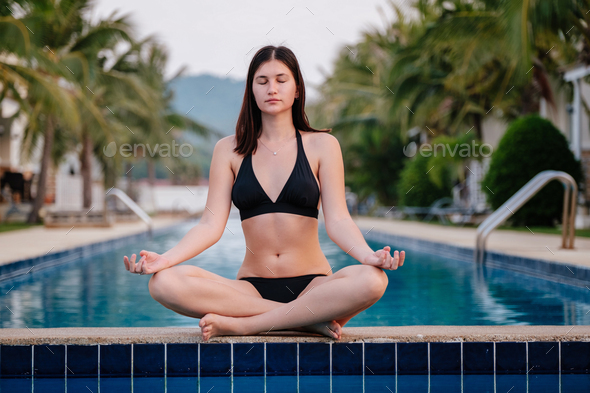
(213, 325)
(331, 329)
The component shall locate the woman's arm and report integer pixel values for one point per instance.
(339, 225)
(212, 223)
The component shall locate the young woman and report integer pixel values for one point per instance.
(273, 170)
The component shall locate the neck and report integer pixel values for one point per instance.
(276, 128)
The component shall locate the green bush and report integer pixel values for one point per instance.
(415, 186)
(530, 145)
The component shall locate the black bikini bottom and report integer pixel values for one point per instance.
(283, 289)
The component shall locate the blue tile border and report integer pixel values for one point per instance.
(301, 359)
(552, 271)
(21, 267)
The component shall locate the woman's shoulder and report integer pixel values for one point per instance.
(317, 139)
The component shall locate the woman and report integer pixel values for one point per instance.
(285, 281)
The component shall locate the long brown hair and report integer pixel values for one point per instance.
(249, 125)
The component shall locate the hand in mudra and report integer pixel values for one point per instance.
(383, 259)
(150, 262)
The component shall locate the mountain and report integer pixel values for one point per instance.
(212, 101)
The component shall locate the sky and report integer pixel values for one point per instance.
(220, 37)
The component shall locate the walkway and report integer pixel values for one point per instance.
(36, 241)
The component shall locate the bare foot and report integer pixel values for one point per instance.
(213, 325)
(331, 329)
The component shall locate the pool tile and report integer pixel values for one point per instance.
(90, 384)
(478, 383)
(445, 383)
(410, 383)
(148, 384)
(215, 360)
(478, 358)
(412, 358)
(511, 358)
(48, 385)
(213, 384)
(148, 360)
(516, 382)
(347, 383)
(281, 384)
(543, 357)
(116, 384)
(379, 358)
(248, 359)
(281, 358)
(20, 357)
(182, 359)
(575, 357)
(182, 384)
(82, 360)
(314, 358)
(445, 358)
(50, 361)
(313, 383)
(548, 383)
(575, 383)
(347, 359)
(248, 383)
(115, 360)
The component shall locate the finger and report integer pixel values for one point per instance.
(126, 262)
(132, 263)
(141, 265)
(395, 260)
(402, 256)
(137, 266)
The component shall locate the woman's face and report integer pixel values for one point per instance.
(274, 87)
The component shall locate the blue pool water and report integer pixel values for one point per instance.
(312, 384)
(427, 290)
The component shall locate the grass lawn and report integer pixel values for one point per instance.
(13, 226)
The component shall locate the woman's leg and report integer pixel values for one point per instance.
(193, 292)
(339, 296)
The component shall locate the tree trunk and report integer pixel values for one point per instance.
(86, 169)
(45, 162)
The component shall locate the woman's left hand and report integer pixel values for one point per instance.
(384, 260)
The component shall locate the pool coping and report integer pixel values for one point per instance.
(374, 334)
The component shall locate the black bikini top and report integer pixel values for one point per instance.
(300, 194)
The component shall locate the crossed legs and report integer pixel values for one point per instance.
(234, 307)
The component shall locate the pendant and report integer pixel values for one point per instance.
(275, 153)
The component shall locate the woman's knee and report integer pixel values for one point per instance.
(162, 283)
(374, 281)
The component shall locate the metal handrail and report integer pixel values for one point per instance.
(131, 205)
(520, 198)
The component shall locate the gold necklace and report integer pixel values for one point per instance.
(273, 152)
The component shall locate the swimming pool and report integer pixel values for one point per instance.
(427, 290)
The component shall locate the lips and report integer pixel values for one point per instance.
(272, 100)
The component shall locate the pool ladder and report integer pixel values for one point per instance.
(131, 205)
(520, 198)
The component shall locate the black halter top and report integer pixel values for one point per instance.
(300, 194)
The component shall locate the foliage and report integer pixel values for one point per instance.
(416, 188)
(530, 145)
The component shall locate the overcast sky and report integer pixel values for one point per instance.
(220, 37)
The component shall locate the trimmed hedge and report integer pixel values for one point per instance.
(530, 145)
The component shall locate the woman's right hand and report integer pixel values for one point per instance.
(149, 263)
